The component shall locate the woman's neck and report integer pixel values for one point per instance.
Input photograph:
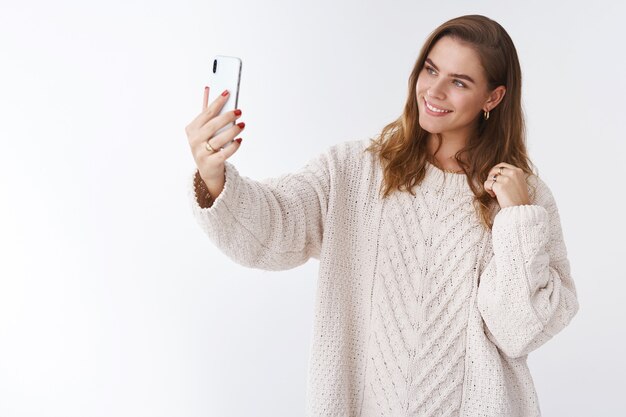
(444, 158)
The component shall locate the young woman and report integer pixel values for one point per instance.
(442, 260)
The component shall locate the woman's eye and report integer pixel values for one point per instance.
(458, 83)
(430, 70)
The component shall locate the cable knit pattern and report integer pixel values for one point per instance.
(420, 311)
(422, 290)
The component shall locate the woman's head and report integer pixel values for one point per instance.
(480, 48)
(453, 89)
(468, 65)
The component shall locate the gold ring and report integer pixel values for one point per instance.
(208, 147)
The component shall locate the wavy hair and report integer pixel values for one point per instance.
(401, 146)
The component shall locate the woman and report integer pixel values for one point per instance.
(442, 261)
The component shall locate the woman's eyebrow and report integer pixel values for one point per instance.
(461, 76)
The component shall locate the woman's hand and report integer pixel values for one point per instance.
(200, 132)
(510, 187)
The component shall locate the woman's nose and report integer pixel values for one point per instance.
(435, 91)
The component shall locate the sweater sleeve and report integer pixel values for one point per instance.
(272, 224)
(526, 293)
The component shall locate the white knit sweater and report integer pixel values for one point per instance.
(420, 311)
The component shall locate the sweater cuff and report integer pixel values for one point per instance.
(219, 207)
(525, 215)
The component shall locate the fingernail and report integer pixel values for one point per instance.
(241, 125)
(237, 112)
(225, 93)
(238, 140)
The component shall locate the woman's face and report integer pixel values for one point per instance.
(452, 82)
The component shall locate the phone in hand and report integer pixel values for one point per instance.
(225, 75)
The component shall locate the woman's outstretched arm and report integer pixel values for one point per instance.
(277, 223)
(273, 224)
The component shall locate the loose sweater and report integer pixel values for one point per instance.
(420, 310)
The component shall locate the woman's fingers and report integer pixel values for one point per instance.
(210, 159)
(488, 187)
(212, 126)
(205, 126)
(225, 153)
(225, 138)
(205, 100)
(209, 111)
(501, 169)
(209, 149)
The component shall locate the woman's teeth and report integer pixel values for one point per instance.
(436, 109)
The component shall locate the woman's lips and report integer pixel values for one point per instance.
(435, 113)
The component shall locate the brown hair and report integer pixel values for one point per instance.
(401, 146)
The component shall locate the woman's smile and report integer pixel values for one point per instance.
(434, 110)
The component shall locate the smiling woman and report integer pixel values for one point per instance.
(463, 114)
(450, 105)
(434, 286)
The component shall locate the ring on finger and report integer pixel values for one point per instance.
(209, 147)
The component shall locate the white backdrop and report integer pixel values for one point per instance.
(112, 300)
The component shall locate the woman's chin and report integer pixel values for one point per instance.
(430, 128)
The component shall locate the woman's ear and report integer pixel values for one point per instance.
(495, 97)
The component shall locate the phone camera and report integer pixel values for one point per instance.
(214, 66)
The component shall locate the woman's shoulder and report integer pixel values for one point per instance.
(350, 148)
(540, 192)
(349, 154)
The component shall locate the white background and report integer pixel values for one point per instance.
(112, 300)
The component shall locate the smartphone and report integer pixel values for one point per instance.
(225, 75)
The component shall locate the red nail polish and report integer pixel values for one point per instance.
(241, 125)
(238, 140)
(225, 93)
(237, 112)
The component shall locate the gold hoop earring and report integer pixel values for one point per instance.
(486, 115)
